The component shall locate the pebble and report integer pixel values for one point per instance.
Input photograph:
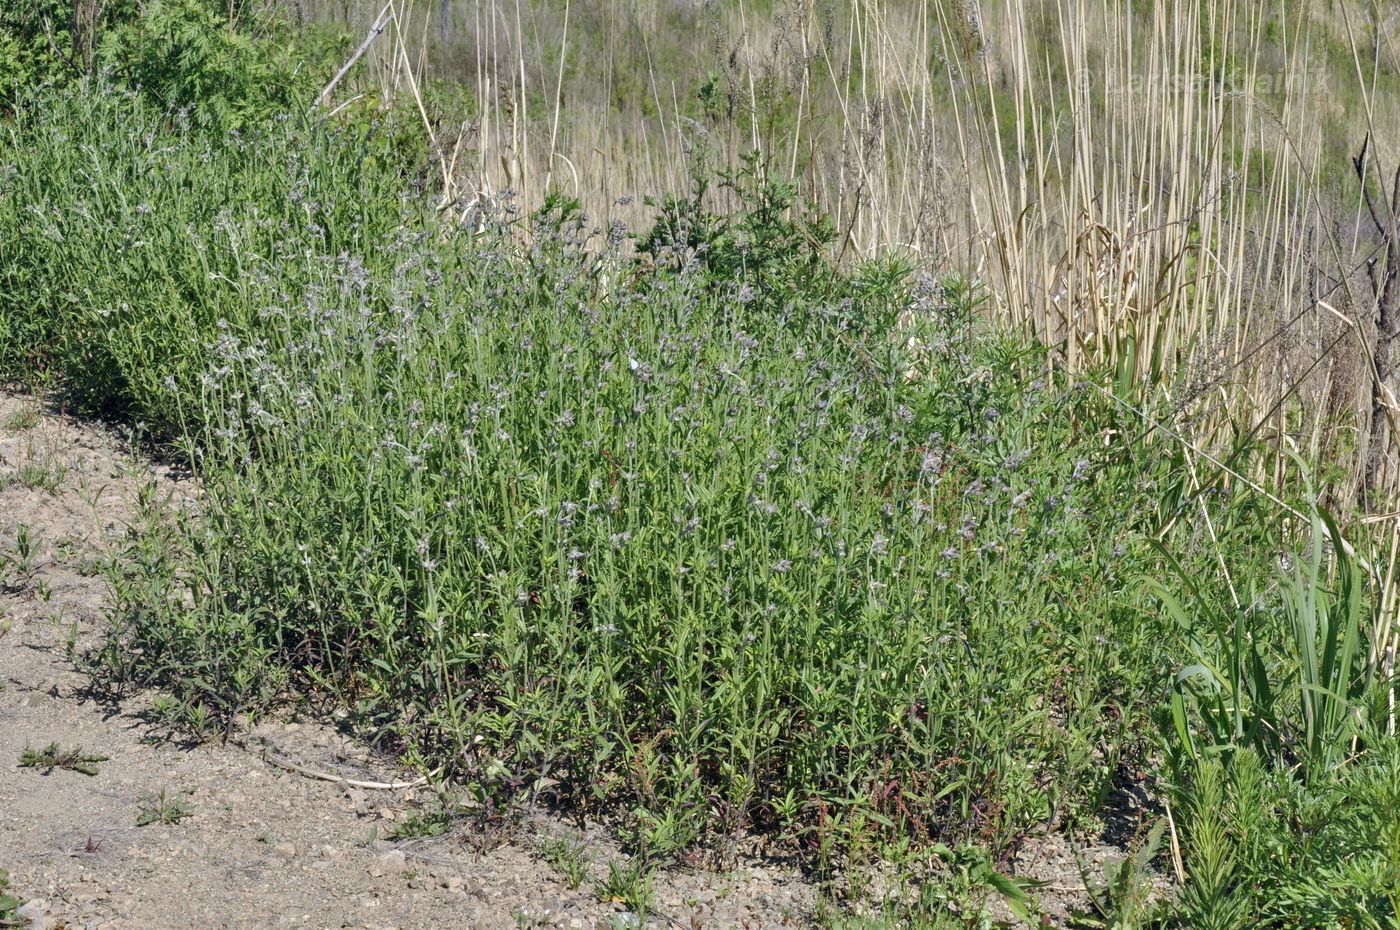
(357, 801)
(287, 851)
(35, 914)
(390, 863)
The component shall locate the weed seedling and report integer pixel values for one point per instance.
(21, 419)
(423, 823)
(20, 564)
(1124, 898)
(163, 810)
(43, 476)
(90, 566)
(26, 547)
(628, 883)
(52, 757)
(528, 920)
(568, 857)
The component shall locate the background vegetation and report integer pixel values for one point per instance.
(1168, 189)
(922, 465)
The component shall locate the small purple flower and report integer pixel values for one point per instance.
(1016, 460)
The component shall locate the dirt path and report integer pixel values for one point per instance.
(261, 846)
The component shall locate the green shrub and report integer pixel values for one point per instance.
(179, 53)
(185, 54)
(49, 42)
(1262, 848)
(773, 243)
(720, 559)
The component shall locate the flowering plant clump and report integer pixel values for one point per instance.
(686, 541)
(704, 527)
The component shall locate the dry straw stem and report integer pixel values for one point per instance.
(281, 763)
(381, 22)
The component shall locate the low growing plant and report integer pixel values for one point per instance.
(629, 883)
(568, 857)
(428, 821)
(163, 810)
(9, 904)
(53, 757)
